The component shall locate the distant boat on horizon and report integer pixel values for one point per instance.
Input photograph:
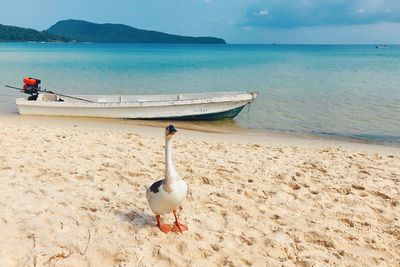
(381, 46)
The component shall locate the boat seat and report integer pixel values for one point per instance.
(47, 97)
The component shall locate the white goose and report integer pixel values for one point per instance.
(166, 195)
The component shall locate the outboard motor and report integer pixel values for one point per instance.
(31, 86)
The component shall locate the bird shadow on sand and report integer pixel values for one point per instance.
(136, 218)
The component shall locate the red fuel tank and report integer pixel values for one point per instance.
(31, 81)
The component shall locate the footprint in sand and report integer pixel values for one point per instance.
(198, 236)
(294, 185)
(182, 247)
(343, 191)
(347, 221)
(318, 239)
(382, 195)
(358, 187)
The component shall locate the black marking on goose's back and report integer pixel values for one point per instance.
(156, 186)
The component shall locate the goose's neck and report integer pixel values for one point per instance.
(170, 172)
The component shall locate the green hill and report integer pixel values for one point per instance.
(18, 34)
(84, 31)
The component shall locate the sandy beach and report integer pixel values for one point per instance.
(73, 194)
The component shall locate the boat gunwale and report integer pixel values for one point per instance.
(239, 97)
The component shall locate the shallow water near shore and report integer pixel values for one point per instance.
(334, 91)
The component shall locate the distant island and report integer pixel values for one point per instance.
(18, 34)
(83, 31)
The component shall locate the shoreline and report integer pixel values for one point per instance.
(219, 126)
(229, 126)
(203, 132)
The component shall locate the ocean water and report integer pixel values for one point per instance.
(349, 91)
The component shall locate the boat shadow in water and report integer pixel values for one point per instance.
(136, 218)
(211, 126)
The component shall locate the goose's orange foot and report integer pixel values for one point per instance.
(178, 227)
(165, 228)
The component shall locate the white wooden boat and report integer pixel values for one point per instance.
(193, 106)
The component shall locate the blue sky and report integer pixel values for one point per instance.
(237, 21)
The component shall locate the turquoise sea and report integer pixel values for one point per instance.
(349, 91)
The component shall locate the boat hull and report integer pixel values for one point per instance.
(229, 114)
(198, 107)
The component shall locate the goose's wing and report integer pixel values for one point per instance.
(154, 188)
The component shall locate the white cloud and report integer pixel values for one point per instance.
(309, 13)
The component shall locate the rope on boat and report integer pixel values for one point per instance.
(248, 110)
(254, 95)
